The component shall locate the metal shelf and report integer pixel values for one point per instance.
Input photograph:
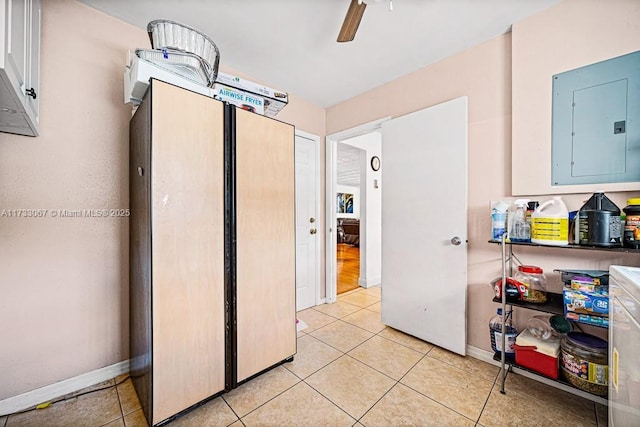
(582, 247)
(565, 384)
(554, 305)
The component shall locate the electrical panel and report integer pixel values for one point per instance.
(596, 123)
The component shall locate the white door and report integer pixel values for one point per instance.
(307, 200)
(424, 224)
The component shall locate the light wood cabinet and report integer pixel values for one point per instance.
(20, 25)
(212, 248)
(265, 211)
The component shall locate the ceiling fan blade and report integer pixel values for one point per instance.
(351, 21)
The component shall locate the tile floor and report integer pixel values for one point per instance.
(350, 370)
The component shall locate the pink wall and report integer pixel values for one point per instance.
(483, 73)
(570, 35)
(64, 304)
(65, 280)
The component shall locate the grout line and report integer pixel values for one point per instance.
(237, 421)
(485, 403)
(350, 324)
(393, 386)
(334, 403)
(120, 401)
(595, 410)
(322, 367)
(267, 401)
(378, 401)
(428, 397)
(437, 402)
(232, 410)
(403, 345)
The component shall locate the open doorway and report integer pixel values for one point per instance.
(354, 189)
(348, 200)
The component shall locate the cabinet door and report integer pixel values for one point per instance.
(16, 55)
(187, 248)
(265, 255)
(32, 79)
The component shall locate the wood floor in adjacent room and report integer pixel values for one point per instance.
(348, 267)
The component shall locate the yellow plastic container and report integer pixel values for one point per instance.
(550, 223)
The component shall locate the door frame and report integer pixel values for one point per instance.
(331, 291)
(316, 172)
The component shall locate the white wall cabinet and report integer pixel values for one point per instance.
(20, 23)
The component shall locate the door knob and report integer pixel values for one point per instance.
(312, 220)
(313, 231)
(456, 241)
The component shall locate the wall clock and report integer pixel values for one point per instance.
(375, 163)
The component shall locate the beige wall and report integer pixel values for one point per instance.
(483, 73)
(570, 35)
(64, 281)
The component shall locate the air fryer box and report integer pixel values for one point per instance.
(274, 100)
(239, 98)
(538, 355)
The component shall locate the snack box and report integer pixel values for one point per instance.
(588, 319)
(244, 100)
(588, 277)
(274, 100)
(582, 283)
(538, 355)
(593, 303)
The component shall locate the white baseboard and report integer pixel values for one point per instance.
(44, 394)
(484, 355)
(369, 283)
(487, 356)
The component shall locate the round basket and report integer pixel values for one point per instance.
(168, 34)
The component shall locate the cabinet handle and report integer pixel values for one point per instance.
(31, 92)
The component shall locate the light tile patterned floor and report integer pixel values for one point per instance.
(350, 370)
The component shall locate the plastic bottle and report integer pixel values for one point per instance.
(599, 222)
(499, 220)
(550, 223)
(531, 207)
(632, 224)
(495, 329)
(520, 230)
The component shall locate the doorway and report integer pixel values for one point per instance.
(424, 259)
(361, 184)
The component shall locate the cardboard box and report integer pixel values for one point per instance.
(244, 100)
(592, 303)
(589, 284)
(596, 277)
(274, 100)
(587, 319)
(139, 72)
